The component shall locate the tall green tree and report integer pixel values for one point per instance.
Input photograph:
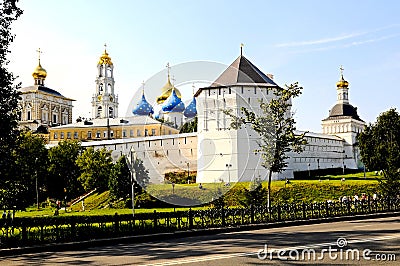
(380, 149)
(120, 179)
(276, 128)
(30, 170)
(95, 167)
(142, 177)
(64, 171)
(9, 95)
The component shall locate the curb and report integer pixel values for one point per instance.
(71, 246)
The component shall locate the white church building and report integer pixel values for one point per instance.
(217, 152)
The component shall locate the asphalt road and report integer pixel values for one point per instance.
(362, 242)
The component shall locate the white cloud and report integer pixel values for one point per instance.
(320, 41)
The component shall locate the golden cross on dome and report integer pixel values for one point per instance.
(39, 52)
(168, 68)
(341, 70)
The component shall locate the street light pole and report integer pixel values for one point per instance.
(187, 163)
(36, 181)
(229, 172)
(133, 178)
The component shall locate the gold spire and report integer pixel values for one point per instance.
(167, 89)
(105, 59)
(39, 72)
(342, 83)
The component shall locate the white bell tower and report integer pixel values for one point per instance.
(104, 101)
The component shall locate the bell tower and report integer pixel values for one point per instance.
(104, 100)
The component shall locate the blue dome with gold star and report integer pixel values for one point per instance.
(173, 104)
(143, 107)
(191, 110)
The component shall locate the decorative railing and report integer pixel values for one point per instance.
(42, 230)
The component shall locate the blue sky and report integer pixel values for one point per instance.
(304, 41)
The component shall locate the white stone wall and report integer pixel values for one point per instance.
(160, 154)
(228, 154)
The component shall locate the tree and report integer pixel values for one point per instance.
(275, 126)
(29, 172)
(255, 195)
(120, 179)
(380, 149)
(63, 170)
(190, 126)
(120, 182)
(95, 167)
(9, 95)
(141, 173)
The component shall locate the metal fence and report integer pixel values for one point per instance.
(32, 231)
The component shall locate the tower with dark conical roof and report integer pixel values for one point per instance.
(228, 154)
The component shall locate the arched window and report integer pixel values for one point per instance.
(101, 87)
(109, 72)
(99, 110)
(110, 112)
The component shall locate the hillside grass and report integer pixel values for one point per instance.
(325, 188)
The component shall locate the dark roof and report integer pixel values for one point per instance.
(36, 88)
(49, 91)
(340, 110)
(242, 71)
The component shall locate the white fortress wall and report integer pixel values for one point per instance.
(160, 154)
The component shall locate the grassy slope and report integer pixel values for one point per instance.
(328, 187)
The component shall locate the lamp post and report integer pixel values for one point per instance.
(187, 163)
(343, 166)
(133, 179)
(228, 165)
(318, 165)
(36, 181)
(309, 173)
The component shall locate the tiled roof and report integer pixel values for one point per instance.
(242, 71)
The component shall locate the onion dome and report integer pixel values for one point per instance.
(191, 110)
(167, 90)
(105, 59)
(173, 103)
(143, 107)
(40, 72)
(342, 83)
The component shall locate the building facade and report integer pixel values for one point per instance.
(42, 107)
(111, 128)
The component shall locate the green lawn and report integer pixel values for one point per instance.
(326, 188)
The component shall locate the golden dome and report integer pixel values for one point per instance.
(105, 59)
(166, 92)
(39, 72)
(342, 83)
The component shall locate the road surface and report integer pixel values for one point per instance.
(375, 241)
